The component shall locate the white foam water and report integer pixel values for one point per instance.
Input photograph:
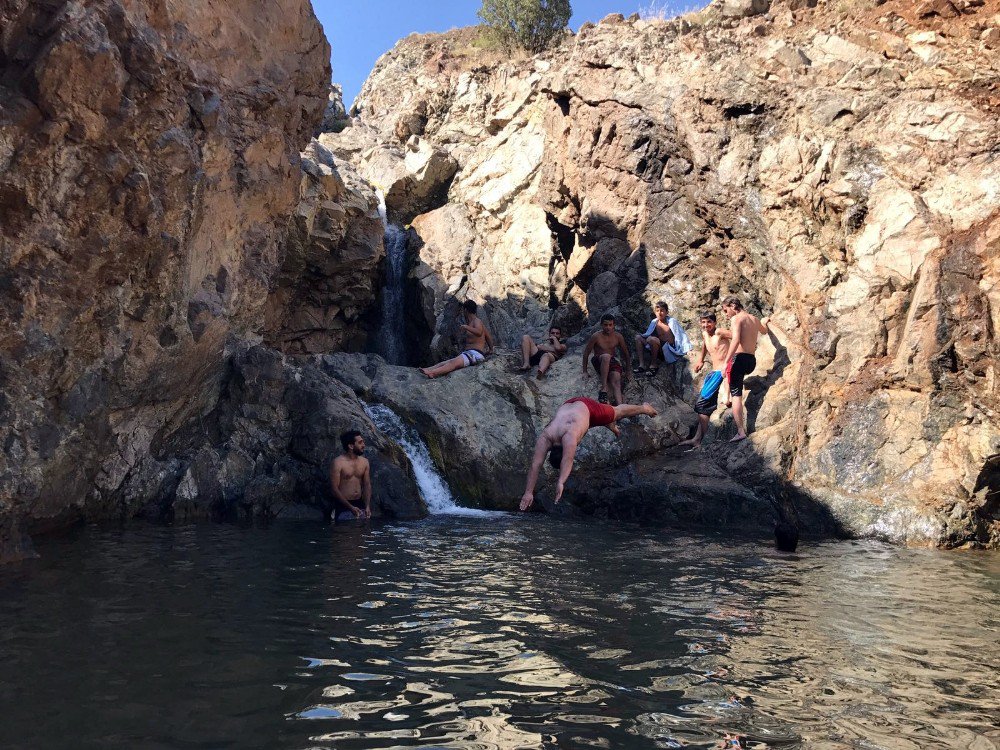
(432, 486)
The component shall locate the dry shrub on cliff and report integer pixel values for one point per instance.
(695, 14)
(661, 10)
(531, 25)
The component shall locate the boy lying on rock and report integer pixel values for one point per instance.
(567, 428)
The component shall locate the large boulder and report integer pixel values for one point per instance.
(325, 291)
(413, 179)
(149, 160)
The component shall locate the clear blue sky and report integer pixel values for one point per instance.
(361, 30)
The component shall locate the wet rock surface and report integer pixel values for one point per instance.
(837, 170)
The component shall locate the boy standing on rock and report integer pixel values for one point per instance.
(740, 357)
(715, 343)
(350, 479)
(478, 344)
(605, 345)
(561, 436)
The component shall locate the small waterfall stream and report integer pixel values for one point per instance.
(391, 342)
(432, 485)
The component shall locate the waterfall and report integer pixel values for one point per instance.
(432, 486)
(391, 341)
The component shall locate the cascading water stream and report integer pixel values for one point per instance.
(391, 342)
(432, 485)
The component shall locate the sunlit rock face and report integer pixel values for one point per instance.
(836, 170)
(149, 162)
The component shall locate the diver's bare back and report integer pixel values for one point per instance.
(571, 420)
(352, 473)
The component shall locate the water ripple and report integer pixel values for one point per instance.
(495, 633)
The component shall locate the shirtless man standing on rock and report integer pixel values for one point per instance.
(561, 436)
(715, 343)
(350, 479)
(740, 357)
(605, 344)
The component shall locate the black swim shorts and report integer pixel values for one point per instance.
(743, 365)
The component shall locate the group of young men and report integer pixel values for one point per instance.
(731, 352)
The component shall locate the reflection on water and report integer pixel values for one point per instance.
(504, 632)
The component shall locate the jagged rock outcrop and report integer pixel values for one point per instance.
(265, 451)
(836, 168)
(335, 117)
(325, 290)
(148, 165)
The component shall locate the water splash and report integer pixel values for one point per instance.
(432, 486)
(391, 341)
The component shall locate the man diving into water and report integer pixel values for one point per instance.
(561, 436)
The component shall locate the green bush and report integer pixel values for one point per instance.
(529, 24)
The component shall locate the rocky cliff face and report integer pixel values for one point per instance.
(323, 296)
(149, 163)
(836, 167)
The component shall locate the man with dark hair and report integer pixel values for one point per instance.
(740, 357)
(605, 345)
(350, 479)
(786, 537)
(478, 344)
(561, 436)
(715, 343)
(545, 354)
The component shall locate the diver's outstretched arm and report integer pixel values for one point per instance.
(542, 446)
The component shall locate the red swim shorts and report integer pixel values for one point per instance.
(601, 415)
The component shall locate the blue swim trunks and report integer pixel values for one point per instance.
(709, 397)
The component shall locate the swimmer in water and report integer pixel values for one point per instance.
(561, 436)
(351, 479)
